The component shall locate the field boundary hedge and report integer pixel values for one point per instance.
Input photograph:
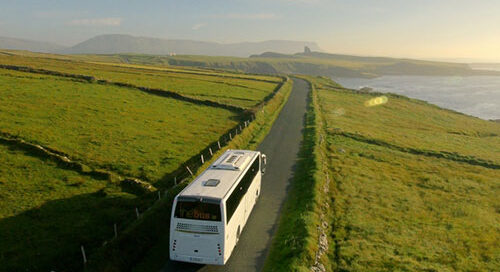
(165, 69)
(429, 153)
(60, 158)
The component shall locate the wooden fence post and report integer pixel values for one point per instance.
(189, 170)
(210, 149)
(218, 143)
(116, 230)
(137, 212)
(202, 160)
(83, 255)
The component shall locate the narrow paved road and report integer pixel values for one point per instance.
(281, 147)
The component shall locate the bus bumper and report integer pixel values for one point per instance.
(197, 259)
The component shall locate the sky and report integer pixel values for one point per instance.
(438, 29)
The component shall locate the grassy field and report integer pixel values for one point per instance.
(407, 212)
(415, 186)
(120, 129)
(225, 88)
(412, 124)
(153, 62)
(46, 213)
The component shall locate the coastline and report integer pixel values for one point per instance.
(477, 96)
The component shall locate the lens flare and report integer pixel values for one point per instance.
(376, 101)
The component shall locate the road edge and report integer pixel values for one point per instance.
(301, 240)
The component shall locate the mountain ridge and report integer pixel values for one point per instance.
(120, 43)
(123, 43)
(30, 45)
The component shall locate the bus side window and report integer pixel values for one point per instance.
(235, 198)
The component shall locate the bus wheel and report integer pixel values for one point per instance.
(238, 234)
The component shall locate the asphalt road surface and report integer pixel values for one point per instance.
(281, 146)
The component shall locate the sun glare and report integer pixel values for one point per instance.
(376, 101)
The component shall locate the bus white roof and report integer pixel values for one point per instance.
(223, 173)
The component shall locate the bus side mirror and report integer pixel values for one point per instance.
(263, 164)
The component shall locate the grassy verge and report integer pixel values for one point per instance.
(145, 244)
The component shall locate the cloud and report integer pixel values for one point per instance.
(64, 14)
(110, 21)
(247, 16)
(198, 26)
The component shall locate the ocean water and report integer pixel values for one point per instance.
(474, 95)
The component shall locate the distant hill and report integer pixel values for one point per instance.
(115, 43)
(326, 64)
(34, 46)
(322, 64)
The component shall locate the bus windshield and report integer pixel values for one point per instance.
(192, 208)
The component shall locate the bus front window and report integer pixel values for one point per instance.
(197, 210)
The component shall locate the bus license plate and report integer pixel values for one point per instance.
(194, 259)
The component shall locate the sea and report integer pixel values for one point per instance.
(473, 95)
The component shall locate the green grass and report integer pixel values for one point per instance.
(46, 213)
(410, 123)
(410, 192)
(120, 129)
(239, 91)
(408, 212)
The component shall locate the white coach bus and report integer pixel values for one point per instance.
(209, 215)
